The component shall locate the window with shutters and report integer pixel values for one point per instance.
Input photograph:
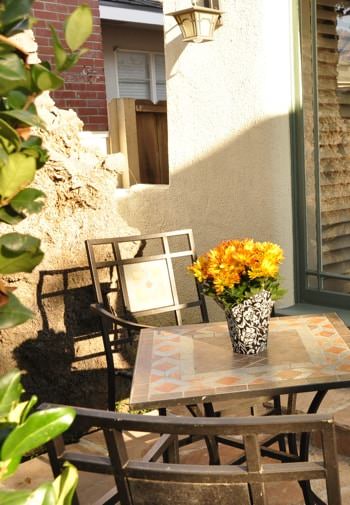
(325, 185)
(140, 75)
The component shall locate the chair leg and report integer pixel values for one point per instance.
(111, 390)
(211, 442)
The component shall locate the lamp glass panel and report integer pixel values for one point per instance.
(205, 25)
(187, 25)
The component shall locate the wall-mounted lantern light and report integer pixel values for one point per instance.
(198, 22)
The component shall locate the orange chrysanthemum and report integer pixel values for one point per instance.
(227, 264)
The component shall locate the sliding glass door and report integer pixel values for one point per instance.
(323, 237)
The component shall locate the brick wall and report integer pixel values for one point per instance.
(84, 89)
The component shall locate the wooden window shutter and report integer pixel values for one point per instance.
(138, 129)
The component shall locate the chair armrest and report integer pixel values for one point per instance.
(102, 312)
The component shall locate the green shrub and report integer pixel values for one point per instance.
(21, 153)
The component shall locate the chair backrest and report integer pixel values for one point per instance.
(144, 271)
(148, 481)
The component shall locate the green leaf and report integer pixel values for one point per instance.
(60, 53)
(20, 412)
(10, 216)
(9, 497)
(78, 27)
(44, 495)
(9, 133)
(13, 313)
(45, 79)
(32, 147)
(18, 173)
(40, 155)
(6, 148)
(19, 253)
(72, 59)
(9, 466)
(65, 485)
(32, 141)
(16, 99)
(12, 73)
(37, 430)
(28, 407)
(5, 430)
(4, 144)
(21, 117)
(5, 48)
(10, 391)
(15, 12)
(28, 201)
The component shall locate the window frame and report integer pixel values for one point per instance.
(303, 292)
(151, 68)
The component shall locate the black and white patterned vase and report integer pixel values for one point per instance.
(248, 323)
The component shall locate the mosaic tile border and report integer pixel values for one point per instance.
(166, 371)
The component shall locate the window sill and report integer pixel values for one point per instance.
(307, 308)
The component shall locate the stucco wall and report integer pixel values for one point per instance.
(229, 142)
(115, 35)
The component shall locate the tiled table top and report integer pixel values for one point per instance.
(195, 363)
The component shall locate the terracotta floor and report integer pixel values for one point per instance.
(34, 472)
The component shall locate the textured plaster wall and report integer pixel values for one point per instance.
(229, 141)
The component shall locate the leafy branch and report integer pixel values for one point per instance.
(21, 432)
(21, 153)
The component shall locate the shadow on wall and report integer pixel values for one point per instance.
(51, 359)
(240, 188)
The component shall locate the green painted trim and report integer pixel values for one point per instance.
(326, 298)
(316, 138)
(327, 275)
(297, 156)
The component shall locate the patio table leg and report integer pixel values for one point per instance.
(211, 443)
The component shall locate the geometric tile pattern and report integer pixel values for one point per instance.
(195, 363)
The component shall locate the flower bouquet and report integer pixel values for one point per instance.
(243, 278)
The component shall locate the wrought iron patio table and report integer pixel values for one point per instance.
(195, 364)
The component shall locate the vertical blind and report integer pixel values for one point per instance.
(141, 75)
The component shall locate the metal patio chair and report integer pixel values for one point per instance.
(135, 281)
(149, 480)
